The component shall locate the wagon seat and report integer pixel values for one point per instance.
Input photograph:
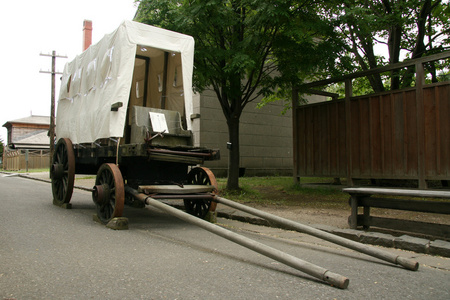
(141, 127)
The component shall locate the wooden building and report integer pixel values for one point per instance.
(28, 144)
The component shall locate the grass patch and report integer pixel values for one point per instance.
(87, 177)
(283, 191)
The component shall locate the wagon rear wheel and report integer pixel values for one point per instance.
(62, 172)
(109, 193)
(201, 207)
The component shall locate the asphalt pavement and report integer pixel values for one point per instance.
(403, 242)
(51, 253)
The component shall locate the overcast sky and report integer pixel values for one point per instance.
(31, 27)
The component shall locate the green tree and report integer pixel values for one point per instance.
(412, 28)
(240, 44)
(305, 49)
(2, 148)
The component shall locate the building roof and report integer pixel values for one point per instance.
(39, 120)
(34, 140)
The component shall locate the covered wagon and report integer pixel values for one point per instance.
(124, 114)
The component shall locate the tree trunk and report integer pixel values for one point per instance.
(394, 43)
(233, 153)
(419, 49)
(395, 35)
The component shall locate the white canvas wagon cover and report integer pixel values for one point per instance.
(103, 74)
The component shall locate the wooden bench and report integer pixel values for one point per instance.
(362, 197)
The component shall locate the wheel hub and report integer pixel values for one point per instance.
(58, 171)
(101, 194)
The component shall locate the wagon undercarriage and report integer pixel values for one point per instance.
(162, 172)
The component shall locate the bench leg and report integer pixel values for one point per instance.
(366, 217)
(354, 214)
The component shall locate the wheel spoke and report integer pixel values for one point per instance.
(58, 189)
(64, 183)
(198, 209)
(58, 156)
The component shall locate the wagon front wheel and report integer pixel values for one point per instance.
(201, 207)
(109, 193)
(62, 172)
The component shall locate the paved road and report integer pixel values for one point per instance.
(50, 253)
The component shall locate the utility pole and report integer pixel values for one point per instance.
(52, 106)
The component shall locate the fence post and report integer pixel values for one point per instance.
(348, 130)
(17, 161)
(27, 156)
(295, 133)
(420, 125)
(22, 163)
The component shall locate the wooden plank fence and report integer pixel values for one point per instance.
(20, 159)
(401, 134)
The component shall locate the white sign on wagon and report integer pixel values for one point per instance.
(159, 123)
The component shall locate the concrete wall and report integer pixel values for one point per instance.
(265, 136)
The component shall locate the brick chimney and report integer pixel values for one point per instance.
(87, 34)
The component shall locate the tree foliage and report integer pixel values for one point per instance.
(408, 29)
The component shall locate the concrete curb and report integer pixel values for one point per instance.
(404, 242)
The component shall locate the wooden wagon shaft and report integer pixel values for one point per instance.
(372, 251)
(292, 261)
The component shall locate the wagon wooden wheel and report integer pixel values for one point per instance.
(62, 172)
(201, 207)
(109, 192)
